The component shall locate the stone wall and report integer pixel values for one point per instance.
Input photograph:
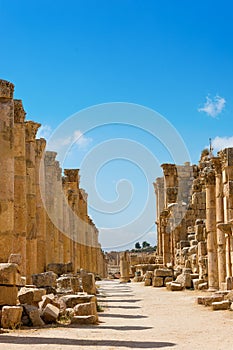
(43, 216)
(195, 218)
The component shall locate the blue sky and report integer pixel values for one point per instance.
(175, 57)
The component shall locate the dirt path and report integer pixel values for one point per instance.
(136, 317)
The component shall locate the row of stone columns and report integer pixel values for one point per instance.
(43, 217)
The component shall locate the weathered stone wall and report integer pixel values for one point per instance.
(195, 217)
(43, 216)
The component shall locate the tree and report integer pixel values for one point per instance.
(137, 245)
(145, 244)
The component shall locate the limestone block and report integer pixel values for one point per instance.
(221, 305)
(33, 314)
(202, 248)
(9, 274)
(91, 319)
(54, 300)
(149, 274)
(74, 299)
(88, 283)
(163, 273)
(59, 268)
(207, 301)
(192, 250)
(68, 284)
(185, 280)
(157, 282)
(191, 237)
(137, 279)
(174, 286)
(229, 296)
(11, 316)
(167, 279)
(194, 242)
(147, 282)
(31, 296)
(202, 286)
(85, 309)
(45, 279)
(8, 295)
(196, 282)
(50, 313)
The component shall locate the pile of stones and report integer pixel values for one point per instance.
(220, 300)
(68, 298)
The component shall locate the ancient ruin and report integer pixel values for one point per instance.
(31, 242)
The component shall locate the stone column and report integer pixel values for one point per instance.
(124, 267)
(30, 138)
(170, 183)
(83, 233)
(59, 211)
(40, 210)
(7, 169)
(221, 241)
(71, 186)
(159, 191)
(50, 191)
(211, 228)
(227, 231)
(165, 237)
(20, 200)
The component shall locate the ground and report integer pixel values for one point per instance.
(136, 317)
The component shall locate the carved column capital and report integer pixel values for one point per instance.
(169, 169)
(208, 174)
(19, 112)
(50, 158)
(40, 147)
(6, 89)
(31, 129)
(71, 175)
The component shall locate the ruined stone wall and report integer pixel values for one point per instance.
(195, 217)
(38, 208)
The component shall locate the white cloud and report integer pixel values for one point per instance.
(222, 142)
(213, 106)
(76, 138)
(44, 132)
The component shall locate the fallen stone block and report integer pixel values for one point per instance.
(174, 286)
(9, 274)
(50, 313)
(33, 314)
(202, 286)
(196, 283)
(163, 273)
(157, 282)
(147, 282)
(11, 316)
(88, 283)
(68, 284)
(167, 279)
(91, 319)
(208, 300)
(45, 279)
(70, 312)
(137, 279)
(74, 299)
(86, 309)
(8, 295)
(185, 280)
(60, 268)
(149, 274)
(31, 296)
(221, 305)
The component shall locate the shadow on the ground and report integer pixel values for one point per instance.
(123, 307)
(121, 300)
(122, 316)
(84, 342)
